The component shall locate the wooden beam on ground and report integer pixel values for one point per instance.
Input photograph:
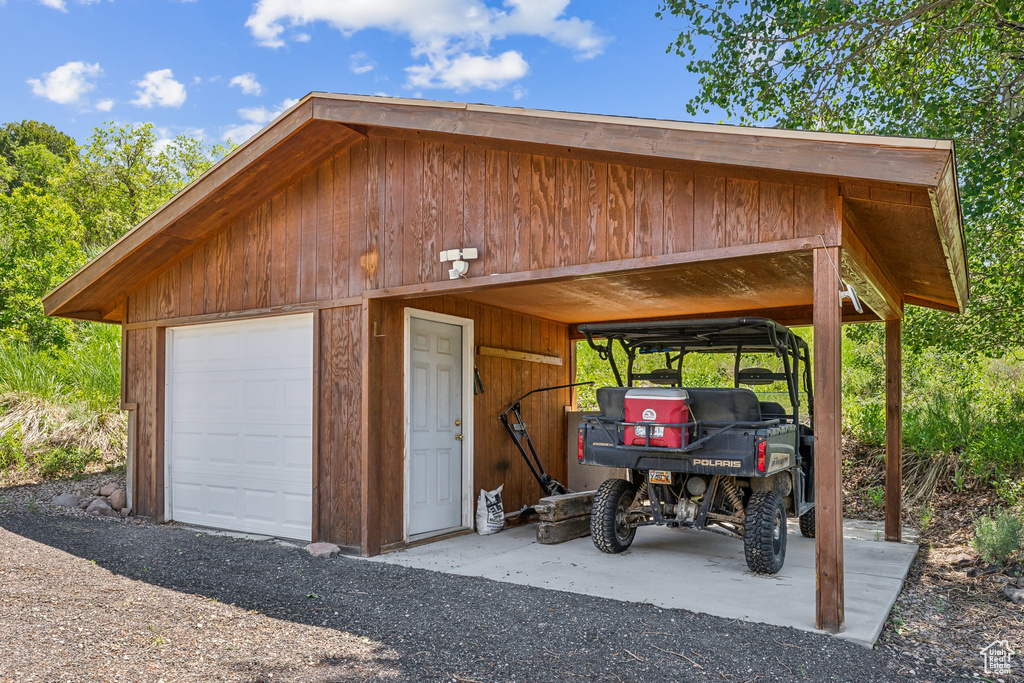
(872, 283)
(518, 355)
(893, 431)
(828, 441)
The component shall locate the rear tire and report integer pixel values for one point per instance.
(807, 523)
(611, 502)
(764, 532)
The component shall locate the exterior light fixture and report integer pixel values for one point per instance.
(459, 258)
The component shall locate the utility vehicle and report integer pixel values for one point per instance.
(720, 459)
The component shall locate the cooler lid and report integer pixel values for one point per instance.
(658, 394)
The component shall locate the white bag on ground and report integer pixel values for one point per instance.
(490, 513)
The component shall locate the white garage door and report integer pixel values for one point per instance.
(239, 432)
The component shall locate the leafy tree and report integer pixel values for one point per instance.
(122, 175)
(938, 68)
(40, 245)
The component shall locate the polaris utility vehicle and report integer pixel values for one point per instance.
(718, 459)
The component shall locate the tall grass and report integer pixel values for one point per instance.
(59, 407)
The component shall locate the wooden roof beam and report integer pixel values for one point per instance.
(872, 284)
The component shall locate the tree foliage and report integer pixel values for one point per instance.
(59, 204)
(944, 68)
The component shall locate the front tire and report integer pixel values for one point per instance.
(807, 524)
(607, 517)
(764, 532)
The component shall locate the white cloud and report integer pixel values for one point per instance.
(66, 84)
(452, 36)
(362, 64)
(105, 105)
(467, 71)
(159, 88)
(302, 37)
(248, 83)
(255, 119)
(54, 4)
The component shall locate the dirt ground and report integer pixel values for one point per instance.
(944, 616)
(110, 599)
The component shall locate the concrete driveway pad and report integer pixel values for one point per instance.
(686, 569)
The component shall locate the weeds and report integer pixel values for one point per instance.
(877, 496)
(1000, 538)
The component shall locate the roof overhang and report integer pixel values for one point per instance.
(320, 125)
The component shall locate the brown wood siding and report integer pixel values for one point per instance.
(338, 488)
(496, 461)
(377, 215)
(139, 388)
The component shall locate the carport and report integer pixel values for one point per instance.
(333, 219)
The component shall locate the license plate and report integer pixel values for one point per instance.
(660, 477)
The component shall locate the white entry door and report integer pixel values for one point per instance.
(436, 467)
(239, 426)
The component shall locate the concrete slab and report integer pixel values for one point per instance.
(685, 569)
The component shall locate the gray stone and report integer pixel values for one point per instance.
(81, 493)
(108, 489)
(1014, 595)
(98, 507)
(118, 499)
(66, 500)
(126, 511)
(322, 549)
(85, 503)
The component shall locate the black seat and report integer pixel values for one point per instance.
(724, 405)
(612, 402)
(771, 410)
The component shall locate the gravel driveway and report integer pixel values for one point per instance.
(101, 599)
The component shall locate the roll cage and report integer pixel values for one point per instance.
(675, 339)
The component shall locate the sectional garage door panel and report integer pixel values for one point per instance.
(240, 425)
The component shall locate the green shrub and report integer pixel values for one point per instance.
(12, 449)
(999, 538)
(65, 461)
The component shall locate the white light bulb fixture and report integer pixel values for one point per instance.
(459, 259)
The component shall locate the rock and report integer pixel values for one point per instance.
(108, 489)
(322, 549)
(962, 559)
(125, 512)
(98, 507)
(96, 492)
(118, 499)
(85, 503)
(66, 500)
(81, 493)
(1014, 595)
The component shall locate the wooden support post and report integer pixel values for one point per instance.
(828, 466)
(893, 431)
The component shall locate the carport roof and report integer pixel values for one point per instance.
(902, 192)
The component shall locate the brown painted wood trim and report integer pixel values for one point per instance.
(518, 355)
(227, 316)
(158, 369)
(124, 363)
(893, 431)
(949, 224)
(340, 303)
(912, 300)
(369, 492)
(315, 528)
(828, 428)
(842, 159)
(470, 284)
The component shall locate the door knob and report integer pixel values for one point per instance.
(458, 437)
(458, 423)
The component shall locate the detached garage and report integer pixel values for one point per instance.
(298, 361)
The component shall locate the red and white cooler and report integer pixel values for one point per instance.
(657, 404)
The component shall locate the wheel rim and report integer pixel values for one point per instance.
(622, 532)
(777, 531)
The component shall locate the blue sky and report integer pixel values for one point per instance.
(217, 69)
